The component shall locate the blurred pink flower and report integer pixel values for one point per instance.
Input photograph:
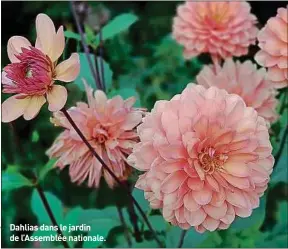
(33, 70)
(245, 80)
(206, 157)
(273, 41)
(109, 126)
(223, 29)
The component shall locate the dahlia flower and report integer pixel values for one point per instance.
(245, 80)
(34, 70)
(223, 29)
(273, 41)
(206, 158)
(108, 125)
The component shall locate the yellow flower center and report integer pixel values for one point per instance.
(211, 161)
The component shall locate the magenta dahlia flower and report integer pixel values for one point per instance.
(222, 29)
(206, 157)
(273, 41)
(34, 70)
(109, 126)
(245, 80)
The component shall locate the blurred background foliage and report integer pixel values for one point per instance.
(141, 59)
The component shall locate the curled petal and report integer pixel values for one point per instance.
(69, 69)
(15, 44)
(45, 34)
(13, 108)
(34, 106)
(57, 98)
(58, 45)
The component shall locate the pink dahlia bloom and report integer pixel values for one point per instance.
(223, 29)
(245, 80)
(206, 157)
(34, 70)
(108, 124)
(273, 41)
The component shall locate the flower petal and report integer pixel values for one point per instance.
(173, 181)
(45, 34)
(69, 69)
(13, 108)
(14, 46)
(35, 104)
(210, 224)
(57, 98)
(132, 120)
(58, 45)
(203, 196)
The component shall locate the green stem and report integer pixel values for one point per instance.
(182, 236)
(50, 214)
(104, 165)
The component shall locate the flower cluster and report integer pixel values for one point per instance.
(205, 154)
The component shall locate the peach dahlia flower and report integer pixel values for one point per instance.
(245, 80)
(108, 124)
(206, 157)
(223, 29)
(34, 70)
(273, 42)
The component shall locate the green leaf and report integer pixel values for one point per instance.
(158, 223)
(13, 180)
(85, 72)
(145, 244)
(173, 236)
(126, 93)
(92, 215)
(48, 166)
(35, 136)
(100, 221)
(72, 215)
(40, 211)
(256, 218)
(100, 227)
(193, 239)
(139, 197)
(117, 25)
(71, 35)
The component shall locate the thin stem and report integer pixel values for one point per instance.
(85, 46)
(282, 145)
(120, 183)
(101, 51)
(283, 106)
(122, 220)
(16, 139)
(97, 70)
(182, 238)
(133, 218)
(50, 213)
